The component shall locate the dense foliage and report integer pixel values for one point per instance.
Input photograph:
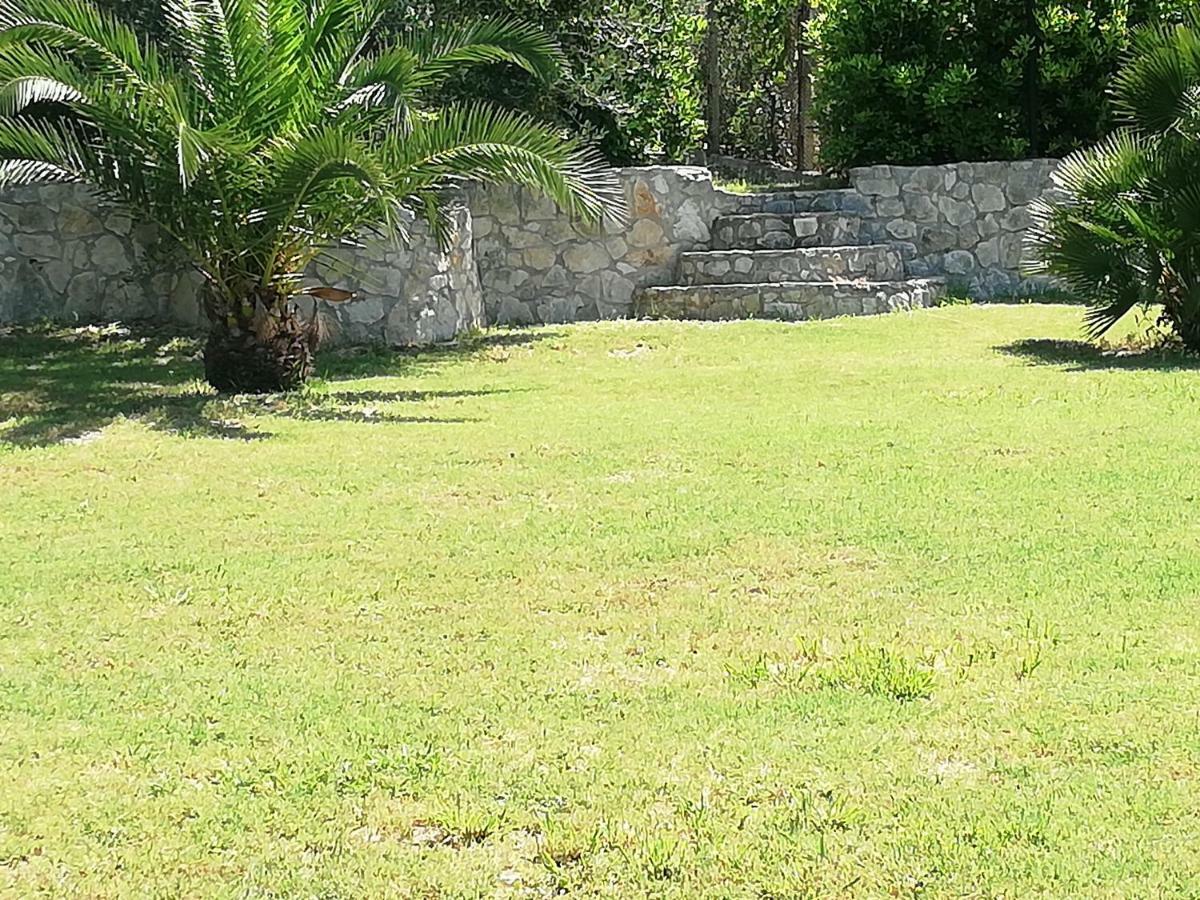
(1124, 232)
(916, 81)
(269, 132)
(630, 79)
(904, 81)
(758, 60)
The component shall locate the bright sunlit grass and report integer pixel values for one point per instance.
(901, 606)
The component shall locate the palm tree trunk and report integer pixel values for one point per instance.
(1187, 329)
(264, 345)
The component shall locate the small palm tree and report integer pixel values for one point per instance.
(268, 132)
(1125, 228)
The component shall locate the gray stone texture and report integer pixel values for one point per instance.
(406, 296)
(516, 259)
(584, 271)
(65, 255)
(966, 221)
(883, 262)
(788, 301)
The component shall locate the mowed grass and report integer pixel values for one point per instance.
(900, 606)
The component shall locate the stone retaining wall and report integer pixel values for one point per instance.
(538, 266)
(516, 259)
(66, 256)
(966, 221)
(406, 296)
(63, 255)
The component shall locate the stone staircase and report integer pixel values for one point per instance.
(793, 255)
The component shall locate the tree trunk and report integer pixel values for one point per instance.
(1180, 307)
(263, 346)
(806, 145)
(1186, 328)
(712, 79)
(1031, 81)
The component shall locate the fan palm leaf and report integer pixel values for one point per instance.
(1123, 227)
(269, 132)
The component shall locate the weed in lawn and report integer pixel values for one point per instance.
(1033, 645)
(878, 671)
(466, 821)
(883, 673)
(653, 852)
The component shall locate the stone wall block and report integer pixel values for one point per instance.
(584, 258)
(920, 208)
(923, 180)
(540, 258)
(889, 207)
(988, 197)
(1018, 218)
(957, 212)
(538, 207)
(646, 233)
(959, 262)
(988, 252)
(38, 247)
(875, 181)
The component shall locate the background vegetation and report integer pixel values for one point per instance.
(919, 81)
(1122, 233)
(631, 81)
(900, 81)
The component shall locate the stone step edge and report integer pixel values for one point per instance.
(787, 300)
(733, 287)
(902, 247)
(844, 200)
(813, 214)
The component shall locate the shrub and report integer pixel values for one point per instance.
(924, 81)
(1124, 231)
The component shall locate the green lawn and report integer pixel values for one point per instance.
(900, 606)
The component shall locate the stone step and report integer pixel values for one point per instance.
(790, 203)
(880, 262)
(788, 301)
(768, 231)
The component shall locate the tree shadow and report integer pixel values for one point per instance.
(66, 384)
(372, 361)
(63, 385)
(1081, 356)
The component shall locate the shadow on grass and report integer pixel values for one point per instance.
(64, 385)
(1080, 356)
(374, 361)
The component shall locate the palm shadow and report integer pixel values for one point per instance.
(66, 384)
(63, 385)
(372, 361)
(1081, 356)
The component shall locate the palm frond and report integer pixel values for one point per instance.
(273, 129)
(17, 94)
(31, 151)
(21, 172)
(1151, 91)
(505, 40)
(80, 28)
(482, 143)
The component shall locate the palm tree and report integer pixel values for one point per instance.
(1125, 228)
(265, 134)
